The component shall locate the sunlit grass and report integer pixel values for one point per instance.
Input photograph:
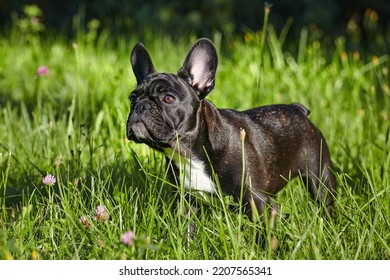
(70, 122)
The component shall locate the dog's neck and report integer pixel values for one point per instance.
(189, 152)
(208, 123)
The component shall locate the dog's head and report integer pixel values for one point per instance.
(164, 106)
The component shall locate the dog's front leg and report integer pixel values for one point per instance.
(188, 206)
(255, 203)
(173, 173)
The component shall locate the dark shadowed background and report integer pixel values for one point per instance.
(359, 19)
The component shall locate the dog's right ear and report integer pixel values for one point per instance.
(141, 63)
(200, 66)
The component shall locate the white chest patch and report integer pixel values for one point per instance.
(192, 173)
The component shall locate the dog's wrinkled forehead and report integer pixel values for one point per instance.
(159, 83)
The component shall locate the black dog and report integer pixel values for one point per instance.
(203, 144)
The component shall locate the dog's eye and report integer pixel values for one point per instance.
(169, 99)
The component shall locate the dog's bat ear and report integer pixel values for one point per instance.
(141, 63)
(200, 66)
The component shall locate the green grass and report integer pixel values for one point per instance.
(71, 123)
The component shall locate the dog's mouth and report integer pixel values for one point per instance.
(137, 132)
(140, 132)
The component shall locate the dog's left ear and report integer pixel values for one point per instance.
(200, 66)
(141, 62)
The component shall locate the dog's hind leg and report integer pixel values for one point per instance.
(320, 180)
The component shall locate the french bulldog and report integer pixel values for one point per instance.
(251, 154)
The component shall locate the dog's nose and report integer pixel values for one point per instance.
(142, 107)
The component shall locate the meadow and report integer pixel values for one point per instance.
(64, 105)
